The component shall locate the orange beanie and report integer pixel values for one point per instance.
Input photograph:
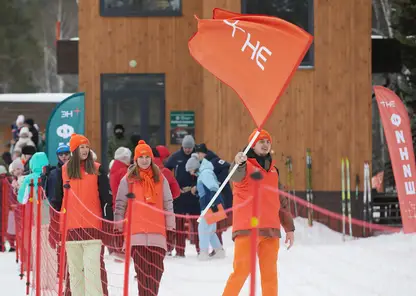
(142, 149)
(263, 135)
(76, 141)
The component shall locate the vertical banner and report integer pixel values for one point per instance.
(396, 126)
(67, 118)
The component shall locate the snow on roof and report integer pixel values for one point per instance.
(34, 98)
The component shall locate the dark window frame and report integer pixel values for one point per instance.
(309, 59)
(103, 106)
(125, 12)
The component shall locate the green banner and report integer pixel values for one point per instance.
(182, 123)
(67, 118)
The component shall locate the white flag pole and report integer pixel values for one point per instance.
(228, 177)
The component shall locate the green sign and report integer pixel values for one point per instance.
(67, 118)
(182, 123)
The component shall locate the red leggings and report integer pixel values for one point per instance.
(178, 240)
(149, 267)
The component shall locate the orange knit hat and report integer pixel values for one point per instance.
(263, 135)
(76, 141)
(142, 149)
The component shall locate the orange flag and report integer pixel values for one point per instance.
(253, 54)
(396, 125)
(221, 14)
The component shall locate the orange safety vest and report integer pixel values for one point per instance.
(148, 218)
(84, 209)
(269, 202)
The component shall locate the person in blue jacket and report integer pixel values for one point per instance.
(221, 170)
(207, 186)
(63, 153)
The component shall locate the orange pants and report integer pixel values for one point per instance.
(267, 252)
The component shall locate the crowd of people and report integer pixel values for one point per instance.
(26, 140)
(167, 188)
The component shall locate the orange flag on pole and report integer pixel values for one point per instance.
(253, 54)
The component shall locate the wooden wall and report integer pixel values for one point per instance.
(327, 108)
(158, 44)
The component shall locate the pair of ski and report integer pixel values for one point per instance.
(291, 186)
(367, 197)
(346, 195)
(346, 202)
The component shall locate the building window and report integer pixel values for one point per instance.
(138, 102)
(298, 12)
(141, 8)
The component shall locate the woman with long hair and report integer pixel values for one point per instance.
(89, 202)
(152, 217)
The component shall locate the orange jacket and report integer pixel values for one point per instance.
(83, 206)
(148, 218)
(269, 202)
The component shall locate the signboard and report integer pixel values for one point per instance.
(182, 123)
(67, 118)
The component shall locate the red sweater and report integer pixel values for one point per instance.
(173, 184)
(117, 172)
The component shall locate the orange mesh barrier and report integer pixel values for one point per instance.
(97, 260)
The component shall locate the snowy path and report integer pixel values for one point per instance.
(319, 265)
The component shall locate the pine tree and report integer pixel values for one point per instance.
(403, 21)
(19, 52)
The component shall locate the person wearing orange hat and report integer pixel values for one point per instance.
(152, 217)
(88, 205)
(270, 203)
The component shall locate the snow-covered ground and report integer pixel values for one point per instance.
(319, 264)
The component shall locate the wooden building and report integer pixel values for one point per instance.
(135, 68)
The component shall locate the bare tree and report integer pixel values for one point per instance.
(54, 19)
(382, 18)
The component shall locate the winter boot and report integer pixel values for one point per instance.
(219, 254)
(203, 256)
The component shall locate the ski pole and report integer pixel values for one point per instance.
(357, 185)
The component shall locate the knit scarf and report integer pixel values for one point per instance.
(148, 185)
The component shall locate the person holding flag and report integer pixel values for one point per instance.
(258, 158)
(249, 57)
